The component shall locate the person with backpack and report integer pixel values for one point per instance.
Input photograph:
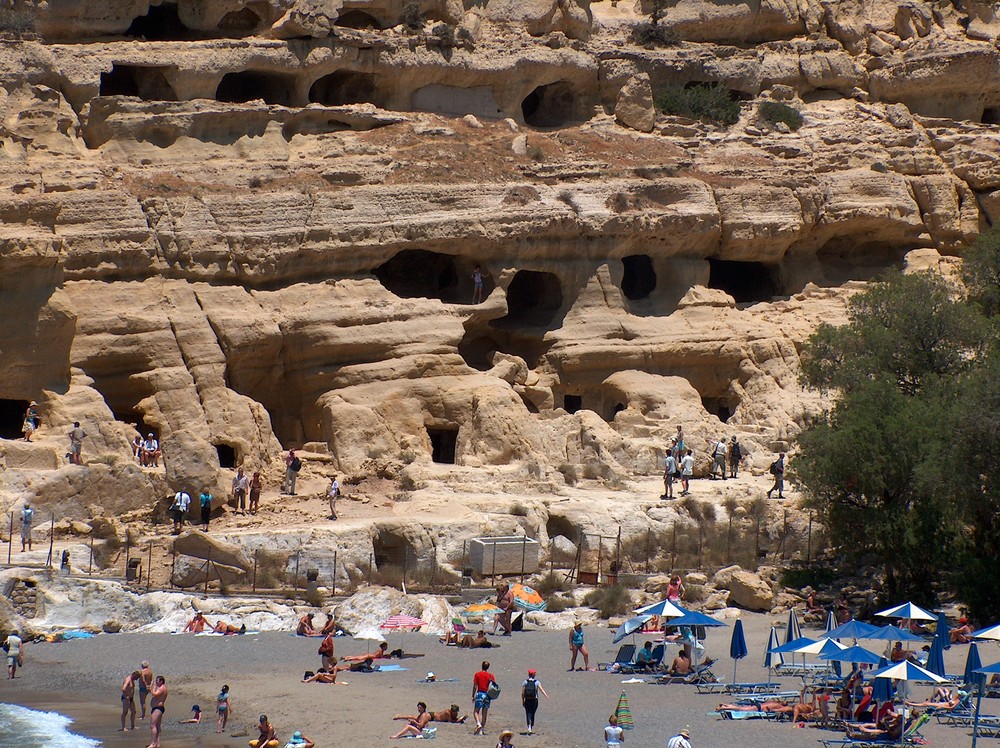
(777, 469)
(735, 455)
(484, 690)
(292, 467)
(719, 458)
(529, 698)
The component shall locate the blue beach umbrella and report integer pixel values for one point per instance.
(853, 630)
(772, 659)
(991, 632)
(694, 618)
(972, 666)
(982, 673)
(737, 646)
(882, 690)
(855, 654)
(943, 630)
(893, 634)
(831, 621)
(935, 657)
(630, 627)
(793, 646)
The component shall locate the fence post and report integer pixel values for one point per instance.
(618, 554)
(149, 565)
(128, 545)
(647, 550)
(253, 584)
(406, 557)
(371, 555)
(524, 548)
(90, 567)
(493, 567)
(208, 570)
(52, 540)
(333, 581)
(173, 565)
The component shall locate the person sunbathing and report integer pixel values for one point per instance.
(479, 641)
(804, 712)
(449, 715)
(229, 629)
(776, 707)
(324, 676)
(367, 665)
(681, 664)
(962, 634)
(943, 706)
(415, 724)
(197, 624)
(889, 728)
(452, 637)
(380, 654)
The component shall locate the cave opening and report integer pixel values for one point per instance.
(227, 455)
(846, 259)
(148, 83)
(477, 347)
(639, 277)
(991, 115)
(551, 105)
(572, 403)
(619, 407)
(242, 21)
(556, 526)
(358, 20)
(418, 273)
(133, 418)
(718, 407)
(344, 87)
(533, 298)
(248, 85)
(443, 444)
(746, 282)
(391, 551)
(12, 418)
(162, 23)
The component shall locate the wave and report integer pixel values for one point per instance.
(21, 727)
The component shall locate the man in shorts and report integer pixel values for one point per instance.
(76, 436)
(480, 696)
(128, 699)
(145, 683)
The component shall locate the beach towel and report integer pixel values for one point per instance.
(391, 668)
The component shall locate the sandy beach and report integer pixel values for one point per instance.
(81, 678)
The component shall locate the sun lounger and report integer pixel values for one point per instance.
(799, 669)
(739, 714)
(761, 687)
(718, 687)
(626, 653)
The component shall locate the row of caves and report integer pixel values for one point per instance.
(550, 105)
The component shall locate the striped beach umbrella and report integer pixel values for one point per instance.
(623, 713)
(397, 622)
(526, 598)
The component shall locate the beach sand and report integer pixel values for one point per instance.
(81, 678)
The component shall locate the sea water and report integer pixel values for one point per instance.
(21, 727)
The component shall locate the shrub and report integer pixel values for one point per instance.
(407, 456)
(445, 34)
(775, 112)
(610, 601)
(550, 583)
(16, 22)
(536, 153)
(412, 17)
(708, 102)
(518, 509)
(466, 38)
(408, 483)
(648, 34)
(557, 604)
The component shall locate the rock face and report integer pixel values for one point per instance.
(269, 240)
(747, 590)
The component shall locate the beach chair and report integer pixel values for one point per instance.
(762, 688)
(647, 667)
(626, 653)
(702, 674)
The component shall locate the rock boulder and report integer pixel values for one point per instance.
(747, 590)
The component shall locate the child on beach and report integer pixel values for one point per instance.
(505, 738)
(224, 707)
(613, 734)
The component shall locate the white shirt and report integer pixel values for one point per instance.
(14, 645)
(27, 516)
(678, 741)
(720, 448)
(687, 465)
(613, 734)
(334, 490)
(182, 499)
(150, 445)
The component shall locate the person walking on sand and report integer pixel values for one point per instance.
(681, 739)
(157, 708)
(145, 684)
(332, 493)
(224, 708)
(687, 472)
(256, 484)
(481, 682)
(292, 467)
(15, 654)
(27, 520)
(128, 699)
(777, 469)
(613, 734)
(576, 646)
(241, 483)
(669, 468)
(529, 698)
(76, 437)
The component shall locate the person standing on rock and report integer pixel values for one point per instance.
(669, 468)
(687, 471)
(477, 285)
(128, 699)
(205, 502)
(332, 493)
(76, 436)
(179, 509)
(145, 683)
(27, 519)
(777, 469)
(157, 708)
(735, 455)
(30, 422)
(256, 483)
(241, 483)
(292, 467)
(679, 445)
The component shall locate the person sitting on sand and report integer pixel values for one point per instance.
(963, 633)
(681, 664)
(381, 653)
(197, 624)
(415, 724)
(330, 627)
(229, 629)
(298, 740)
(449, 715)
(195, 720)
(479, 641)
(268, 737)
(305, 627)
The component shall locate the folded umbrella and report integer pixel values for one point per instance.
(737, 645)
(972, 666)
(935, 657)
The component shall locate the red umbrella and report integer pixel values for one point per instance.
(403, 622)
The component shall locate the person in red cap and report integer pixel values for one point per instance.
(529, 697)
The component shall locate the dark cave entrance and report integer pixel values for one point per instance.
(392, 551)
(344, 87)
(244, 21)
(477, 348)
(227, 455)
(443, 443)
(572, 403)
(639, 278)
(533, 299)
(991, 116)
(746, 282)
(161, 24)
(418, 273)
(148, 83)
(12, 418)
(248, 85)
(718, 407)
(358, 20)
(551, 105)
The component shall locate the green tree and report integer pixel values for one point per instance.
(981, 272)
(871, 465)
